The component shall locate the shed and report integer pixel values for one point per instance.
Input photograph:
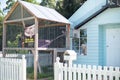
(98, 24)
(29, 27)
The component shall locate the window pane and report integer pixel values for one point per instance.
(75, 44)
(83, 41)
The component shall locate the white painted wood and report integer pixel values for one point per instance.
(100, 72)
(70, 72)
(74, 72)
(113, 47)
(61, 71)
(65, 72)
(117, 74)
(85, 72)
(89, 72)
(79, 72)
(12, 69)
(56, 69)
(94, 72)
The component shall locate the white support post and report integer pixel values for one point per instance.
(56, 69)
(70, 63)
(23, 67)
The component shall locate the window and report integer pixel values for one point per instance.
(75, 44)
(83, 41)
(75, 40)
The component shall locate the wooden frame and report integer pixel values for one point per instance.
(19, 20)
(37, 20)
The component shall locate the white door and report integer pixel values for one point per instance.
(113, 47)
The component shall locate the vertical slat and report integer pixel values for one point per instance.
(10, 65)
(74, 72)
(1, 75)
(65, 72)
(84, 72)
(110, 73)
(105, 73)
(70, 72)
(24, 67)
(9, 69)
(16, 69)
(56, 69)
(99, 72)
(79, 72)
(61, 71)
(94, 72)
(117, 73)
(89, 72)
(0, 68)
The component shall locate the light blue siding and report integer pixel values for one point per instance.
(92, 47)
(96, 37)
(102, 41)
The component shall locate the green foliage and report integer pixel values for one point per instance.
(13, 33)
(68, 7)
(48, 3)
(10, 3)
(65, 7)
(1, 24)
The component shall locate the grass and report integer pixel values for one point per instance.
(47, 72)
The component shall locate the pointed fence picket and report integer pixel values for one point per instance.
(13, 69)
(85, 72)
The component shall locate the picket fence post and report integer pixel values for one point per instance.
(57, 69)
(84, 72)
(24, 67)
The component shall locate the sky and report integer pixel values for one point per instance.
(2, 4)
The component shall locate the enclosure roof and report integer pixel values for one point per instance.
(43, 12)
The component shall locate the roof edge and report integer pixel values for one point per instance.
(92, 16)
(12, 9)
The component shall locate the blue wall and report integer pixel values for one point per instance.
(96, 52)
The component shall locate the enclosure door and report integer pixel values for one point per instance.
(113, 47)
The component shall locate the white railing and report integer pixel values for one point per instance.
(13, 69)
(44, 59)
(83, 72)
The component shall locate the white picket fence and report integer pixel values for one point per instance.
(13, 69)
(83, 72)
(44, 59)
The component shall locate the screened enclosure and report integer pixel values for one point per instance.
(52, 37)
(18, 36)
(30, 28)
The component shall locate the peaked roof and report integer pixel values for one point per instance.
(89, 10)
(41, 12)
(91, 17)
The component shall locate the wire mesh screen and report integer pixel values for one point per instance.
(52, 37)
(13, 32)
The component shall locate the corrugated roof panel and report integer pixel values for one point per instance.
(32, 9)
(58, 16)
(44, 12)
